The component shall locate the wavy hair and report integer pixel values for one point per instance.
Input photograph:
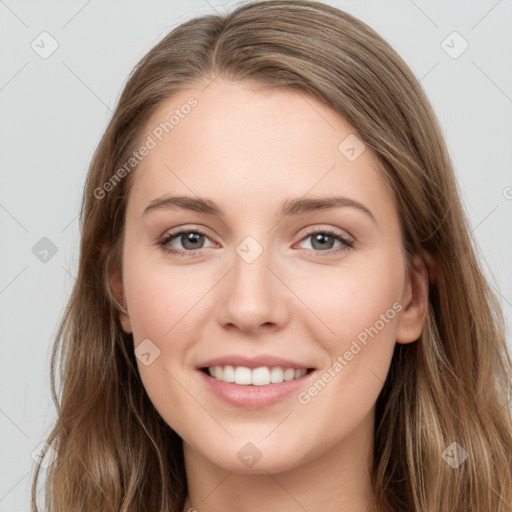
(115, 452)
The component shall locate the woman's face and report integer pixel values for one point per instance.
(288, 255)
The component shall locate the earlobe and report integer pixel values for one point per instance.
(116, 286)
(415, 302)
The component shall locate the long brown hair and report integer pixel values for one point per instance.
(115, 452)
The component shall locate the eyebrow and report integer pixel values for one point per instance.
(288, 208)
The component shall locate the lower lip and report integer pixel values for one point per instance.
(250, 396)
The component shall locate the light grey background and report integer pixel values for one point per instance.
(54, 110)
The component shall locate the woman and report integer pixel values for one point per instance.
(278, 304)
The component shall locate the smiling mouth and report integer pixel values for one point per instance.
(262, 376)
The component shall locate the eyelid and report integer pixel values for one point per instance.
(315, 228)
(193, 228)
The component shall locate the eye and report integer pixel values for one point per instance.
(192, 241)
(323, 240)
(189, 239)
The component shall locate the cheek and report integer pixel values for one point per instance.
(351, 299)
(363, 319)
(358, 306)
(160, 295)
(165, 306)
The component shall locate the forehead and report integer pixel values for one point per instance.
(253, 147)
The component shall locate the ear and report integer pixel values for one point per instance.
(415, 303)
(116, 284)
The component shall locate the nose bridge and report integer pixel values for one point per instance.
(252, 294)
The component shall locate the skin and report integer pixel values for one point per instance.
(249, 150)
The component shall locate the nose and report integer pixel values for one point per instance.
(253, 296)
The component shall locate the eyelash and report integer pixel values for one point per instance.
(164, 243)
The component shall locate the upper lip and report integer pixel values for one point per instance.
(252, 362)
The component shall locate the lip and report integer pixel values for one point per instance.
(251, 397)
(253, 362)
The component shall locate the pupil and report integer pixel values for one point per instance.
(192, 238)
(321, 239)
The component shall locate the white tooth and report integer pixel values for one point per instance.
(276, 375)
(260, 376)
(242, 375)
(228, 374)
(289, 374)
